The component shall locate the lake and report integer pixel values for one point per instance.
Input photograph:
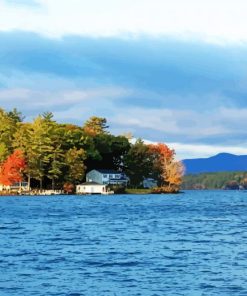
(193, 243)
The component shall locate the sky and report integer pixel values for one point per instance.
(166, 71)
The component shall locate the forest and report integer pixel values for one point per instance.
(48, 154)
(219, 180)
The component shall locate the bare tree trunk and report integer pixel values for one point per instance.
(53, 184)
(20, 187)
(28, 183)
(41, 184)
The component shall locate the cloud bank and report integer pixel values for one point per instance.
(182, 82)
(215, 21)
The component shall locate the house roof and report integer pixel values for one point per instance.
(106, 171)
(120, 179)
(91, 183)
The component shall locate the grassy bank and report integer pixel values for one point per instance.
(138, 191)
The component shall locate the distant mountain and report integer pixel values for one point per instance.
(223, 162)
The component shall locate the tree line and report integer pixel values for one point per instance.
(219, 180)
(49, 154)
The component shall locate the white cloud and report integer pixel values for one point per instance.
(185, 151)
(212, 20)
(173, 123)
(179, 128)
(190, 151)
(7, 95)
(187, 123)
(29, 98)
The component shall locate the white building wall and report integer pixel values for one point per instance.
(90, 189)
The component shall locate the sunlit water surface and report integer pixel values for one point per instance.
(193, 243)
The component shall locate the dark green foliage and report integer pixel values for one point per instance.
(138, 163)
(15, 115)
(107, 152)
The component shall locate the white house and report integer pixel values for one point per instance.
(107, 177)
(91, 188)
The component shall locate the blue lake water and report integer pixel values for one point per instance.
(187, 244)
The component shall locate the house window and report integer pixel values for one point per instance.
(104, 176)
(111, 176)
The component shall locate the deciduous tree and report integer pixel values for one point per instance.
(75, 167)
(138, 163)
(12, 169)
(161, 155)
(172, 175)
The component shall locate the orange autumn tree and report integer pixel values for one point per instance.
(166, 169)
(160, 154)
(173, 175)
(12, 169)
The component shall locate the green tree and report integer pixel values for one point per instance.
(95, 126)
(23, 141)
(3, 152)
(15, 115)
(74, 136)
(54, 154)
(74, 164)
(8, 126)
(107, 151)
(39, 148)
(138, 163)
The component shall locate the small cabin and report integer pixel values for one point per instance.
(91, 188)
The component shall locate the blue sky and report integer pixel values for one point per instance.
(167, 72)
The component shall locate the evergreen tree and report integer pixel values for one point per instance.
(95, 126)
(8, 126)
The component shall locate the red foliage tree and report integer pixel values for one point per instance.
(168, 171)
(11, 170)
(69, 188)
(162, 152)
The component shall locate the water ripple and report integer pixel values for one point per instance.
(188, 244)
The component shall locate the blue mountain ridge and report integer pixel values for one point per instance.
(222, 162)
